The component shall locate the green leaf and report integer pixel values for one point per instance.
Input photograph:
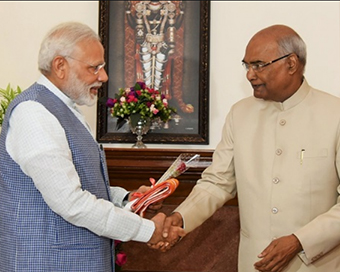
(137, 87)
(134, 118)
(6, 97)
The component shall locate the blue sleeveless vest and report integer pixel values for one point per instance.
(32, 237)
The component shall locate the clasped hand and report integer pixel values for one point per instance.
(168, 231)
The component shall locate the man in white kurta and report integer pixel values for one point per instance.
(280, 153)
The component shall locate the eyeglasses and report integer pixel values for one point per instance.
(96, 69)
(258, 66)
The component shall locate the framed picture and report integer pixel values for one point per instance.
(166, 45)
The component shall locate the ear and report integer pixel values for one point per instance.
(59, 66)
(293, 63)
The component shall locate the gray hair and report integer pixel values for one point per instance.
(61, 41)
(294, 44)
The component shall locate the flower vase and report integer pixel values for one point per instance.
(139, 127)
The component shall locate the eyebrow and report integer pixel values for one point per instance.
(253, 62)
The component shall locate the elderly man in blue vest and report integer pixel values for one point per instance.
(57, 210)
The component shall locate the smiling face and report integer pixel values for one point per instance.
(81, 83)
(276, 81)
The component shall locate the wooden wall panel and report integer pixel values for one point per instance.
(131, 168)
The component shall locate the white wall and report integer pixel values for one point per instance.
(23, 25)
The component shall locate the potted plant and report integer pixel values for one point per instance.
(6, 96)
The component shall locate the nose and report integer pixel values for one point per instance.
(102, 75)
(251, 74)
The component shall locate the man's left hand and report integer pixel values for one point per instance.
(276, 256)
(154, 207)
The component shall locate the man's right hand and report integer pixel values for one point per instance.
(174, 219)
(157, 236)
(172, 233)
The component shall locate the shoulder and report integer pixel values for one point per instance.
(324, 100)
(29, 108)
(248, 103)
(324, 94)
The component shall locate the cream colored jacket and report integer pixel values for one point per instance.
(283, 161)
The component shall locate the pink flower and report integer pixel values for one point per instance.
(131, 98)
(121, 258)
(153, 109)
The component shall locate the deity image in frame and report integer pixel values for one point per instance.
(160, 43)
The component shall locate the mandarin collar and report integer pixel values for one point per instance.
(295, 99)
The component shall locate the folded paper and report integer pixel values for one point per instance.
(155, 194)
(165, 186)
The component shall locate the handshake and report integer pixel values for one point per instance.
(168, 231)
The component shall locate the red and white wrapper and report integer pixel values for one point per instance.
(165, 186)
(156, 193)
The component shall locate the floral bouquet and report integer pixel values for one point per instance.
(139, 102)
(165, 186)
